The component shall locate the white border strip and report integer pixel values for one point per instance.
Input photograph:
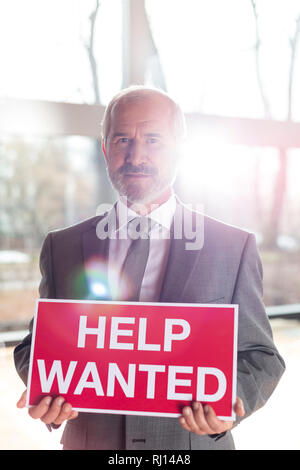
(235, 352)
(172, 304)
(32, 352)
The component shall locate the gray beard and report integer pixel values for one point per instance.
(134, 193)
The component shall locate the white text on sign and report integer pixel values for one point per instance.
(92, 376)
(116, 332)
(128, 386)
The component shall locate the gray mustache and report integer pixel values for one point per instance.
(141, 169)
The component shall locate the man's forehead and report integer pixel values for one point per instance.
(143, 108)
(141, 115)
(146, 126)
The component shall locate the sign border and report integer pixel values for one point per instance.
(131, 412)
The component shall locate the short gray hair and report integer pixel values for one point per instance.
(139, 92)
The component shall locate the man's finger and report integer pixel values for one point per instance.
(21, 403)
(66, 413)
(196, 420)
(202, 413)
(216, 425)
(41, 409)
(73, 415)
(54, 411)
(188, 421)
(239, 407)
(183, 423)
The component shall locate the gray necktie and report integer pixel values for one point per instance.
(134, 266)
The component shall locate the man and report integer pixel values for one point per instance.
(143, 131)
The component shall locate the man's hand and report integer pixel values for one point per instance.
(49, 410)
(203, 420)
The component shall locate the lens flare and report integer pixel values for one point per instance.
(96, 282)
(97, 279)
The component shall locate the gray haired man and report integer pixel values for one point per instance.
(143, 130)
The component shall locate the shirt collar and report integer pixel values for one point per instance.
(162, 214)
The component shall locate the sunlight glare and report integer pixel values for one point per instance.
(207, 164)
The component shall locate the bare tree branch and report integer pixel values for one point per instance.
(293, 45)
(90, 51)
(257, 46)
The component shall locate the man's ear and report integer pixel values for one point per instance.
(103, 148)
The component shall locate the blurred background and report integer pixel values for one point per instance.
(234, 67)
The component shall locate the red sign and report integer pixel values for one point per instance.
(134, 358)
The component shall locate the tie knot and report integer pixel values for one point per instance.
(140, 227)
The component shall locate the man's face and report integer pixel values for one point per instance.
(140, 149)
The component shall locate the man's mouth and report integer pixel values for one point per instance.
(137, 175)
(141, 171)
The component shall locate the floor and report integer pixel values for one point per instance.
(275, 427)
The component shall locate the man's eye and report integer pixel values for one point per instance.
(123, 140)
(152, 140)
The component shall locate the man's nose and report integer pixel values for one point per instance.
(136, 152)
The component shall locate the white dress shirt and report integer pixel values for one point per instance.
(158, 252)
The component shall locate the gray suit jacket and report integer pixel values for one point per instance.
(227, 269)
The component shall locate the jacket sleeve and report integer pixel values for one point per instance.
(46, 290)
(260, 365)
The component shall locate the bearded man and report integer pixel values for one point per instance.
(143, 131)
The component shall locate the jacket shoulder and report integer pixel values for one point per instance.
(225, 229)
(213, 227)
(76, 229)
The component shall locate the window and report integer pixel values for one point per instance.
(44, 55)
(212, 64)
